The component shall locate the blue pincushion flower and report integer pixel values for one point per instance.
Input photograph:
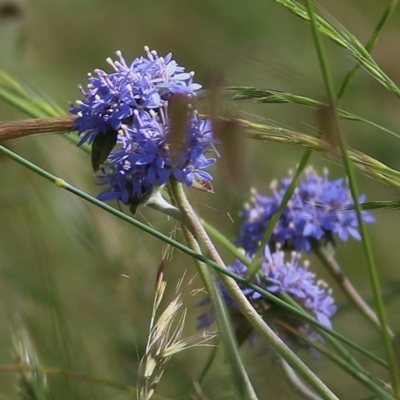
(144, 160)
(128, 109)
(279, 277)
(111, 99)
(315, 212)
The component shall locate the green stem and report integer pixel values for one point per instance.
(347, 361)
(244, 305)
(241, 380)
(217, 236)
(390, 353)
(256, 263)
(73, 375)
(208, 364)
(296, 382)
(352, 370)
(348, 80)
(347, 287)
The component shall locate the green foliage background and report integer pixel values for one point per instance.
(63, 263)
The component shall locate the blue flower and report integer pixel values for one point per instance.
(132, 104)
(315, 211)
(279, 277)
(110, 99)
(144, 162)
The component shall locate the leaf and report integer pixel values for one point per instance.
(101, 148)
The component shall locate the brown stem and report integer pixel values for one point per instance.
(347, 287)
(17, 129)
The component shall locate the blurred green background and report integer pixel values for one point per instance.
(81, 281)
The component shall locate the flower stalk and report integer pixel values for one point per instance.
(381, 312)
(244, 305)
(27, 127)
(347, 287)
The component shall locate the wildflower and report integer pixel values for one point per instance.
(111, 99)
(315, 212)
(129, 107)
(279, 277)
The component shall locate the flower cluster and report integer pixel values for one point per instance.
(318, 209)
(131, 105)
(315, 211)
(279, 277)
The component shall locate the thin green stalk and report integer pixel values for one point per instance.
(60, 183)
(347, 287)
(208, 364)
(241, 381)
(78, 376)
(29, 109)
(73, 375)
(256, 263)
(353, 371)
(217, 236)
(12, 92)
(347, 361)
(296, 383)
(390, 352)
(340, 350)
(244, 305)
(348, 80)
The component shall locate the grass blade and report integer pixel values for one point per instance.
(390, 353)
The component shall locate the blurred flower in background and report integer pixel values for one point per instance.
(316, 211)
(278, 277)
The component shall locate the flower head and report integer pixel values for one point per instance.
(144, 162)
(111, 98)
(315, 211)
(131, 106)
(279, 277)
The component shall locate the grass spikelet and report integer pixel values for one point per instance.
(345, 39)
(165, 337)
(32, 383)
(364, 163)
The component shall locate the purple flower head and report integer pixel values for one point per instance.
(315, 211)
(279, 277)
(111, 98)
(144, 161)
(129, 107)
